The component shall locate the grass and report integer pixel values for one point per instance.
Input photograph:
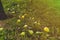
(32, 20)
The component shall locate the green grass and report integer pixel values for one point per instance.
(30, 19)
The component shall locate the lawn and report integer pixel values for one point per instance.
(31, 20)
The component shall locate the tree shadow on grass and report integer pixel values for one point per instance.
(3, 16)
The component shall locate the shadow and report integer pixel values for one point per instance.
(3, 16)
